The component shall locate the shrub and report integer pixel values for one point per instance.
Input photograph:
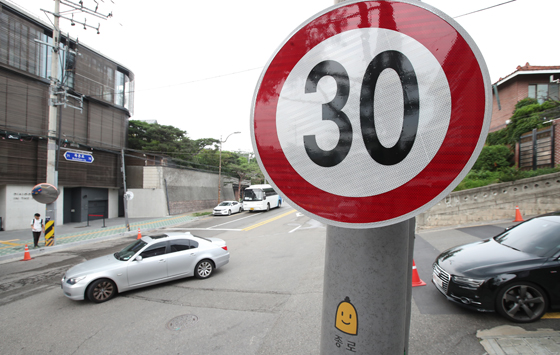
(494, 158)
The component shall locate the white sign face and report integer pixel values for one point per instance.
(299, 113)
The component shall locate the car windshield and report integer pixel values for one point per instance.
(129, 251)
(540, 237)
(225, 204)
(253, 195)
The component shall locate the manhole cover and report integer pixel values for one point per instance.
(180, 322)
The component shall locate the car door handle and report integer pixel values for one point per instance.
(162, 261)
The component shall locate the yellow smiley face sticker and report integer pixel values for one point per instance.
(346, 318)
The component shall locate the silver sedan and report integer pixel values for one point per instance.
(148, 261)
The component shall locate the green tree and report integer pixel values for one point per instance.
(244, 170)
(168, 140)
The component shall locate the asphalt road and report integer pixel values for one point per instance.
(267, 300)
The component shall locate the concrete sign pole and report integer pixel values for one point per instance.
(367, 290)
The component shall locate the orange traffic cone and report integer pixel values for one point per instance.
(518, 217)
(26, 255)
(415, 278)
(139, 234)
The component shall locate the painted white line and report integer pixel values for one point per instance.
(203, 229)
(295, 229)
(254, 215)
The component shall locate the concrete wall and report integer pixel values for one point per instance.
(113, 203)
(19, 207)
(534, 196)
(134, 177)
(187, 190)
(147, 203)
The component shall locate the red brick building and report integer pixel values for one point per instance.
(539, 82)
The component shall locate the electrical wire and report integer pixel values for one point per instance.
(487, 8)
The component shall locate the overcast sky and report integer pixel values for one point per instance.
(197, 63)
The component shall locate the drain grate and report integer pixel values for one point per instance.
(181, 322)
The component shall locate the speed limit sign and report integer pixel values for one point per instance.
(371, 112)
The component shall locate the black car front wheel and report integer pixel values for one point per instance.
(521, 302)
(101, 290)
(203, 269)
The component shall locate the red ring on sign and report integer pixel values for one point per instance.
(468, 103)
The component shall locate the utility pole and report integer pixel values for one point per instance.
(220, 166)
(52, 144)
(58, 96)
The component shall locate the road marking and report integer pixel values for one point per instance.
(8, 242)
(552, 315)
(239, 219)
(295, 229)
(203, 229)
(267, 221)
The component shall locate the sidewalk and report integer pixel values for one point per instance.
(510, 340)
(12, 243)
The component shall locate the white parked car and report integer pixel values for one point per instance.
(227, 208)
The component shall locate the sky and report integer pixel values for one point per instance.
(197, 63)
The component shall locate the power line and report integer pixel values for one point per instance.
(472, 12)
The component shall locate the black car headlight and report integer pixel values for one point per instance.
(467, 281)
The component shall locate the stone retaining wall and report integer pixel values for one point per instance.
(534, 196)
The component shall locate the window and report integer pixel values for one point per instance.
(69, 69)
(109, 88)
(119, 88)
(182, 244)
(543, 92)
(154, 250)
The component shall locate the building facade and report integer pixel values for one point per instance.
(95, 125)
(538, 82)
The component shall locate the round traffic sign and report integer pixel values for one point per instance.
(371, 112)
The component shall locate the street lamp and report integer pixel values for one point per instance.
(220, 166)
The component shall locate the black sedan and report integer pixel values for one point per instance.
(516, 273)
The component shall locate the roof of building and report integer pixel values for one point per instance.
(530, 69)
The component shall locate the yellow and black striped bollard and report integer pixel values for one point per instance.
(49, 233)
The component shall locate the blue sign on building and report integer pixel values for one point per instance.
(81, 157)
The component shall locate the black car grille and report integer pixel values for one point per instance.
(441, 275)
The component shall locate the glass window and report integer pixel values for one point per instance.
(253, 195)
(119, 88)
(532, 91)
(109, 87)
(154, 250)
(129, 94)
(69, 70)
(130, 250)
(179, 245)
(540, 237)
(542, 93)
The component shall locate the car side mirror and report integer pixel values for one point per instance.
(139, 258)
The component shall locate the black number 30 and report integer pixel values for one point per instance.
(332, 111)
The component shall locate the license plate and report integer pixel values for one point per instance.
(251, 209)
